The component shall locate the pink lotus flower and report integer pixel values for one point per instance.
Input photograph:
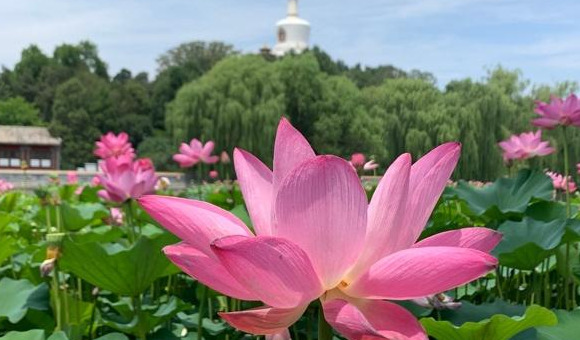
(195, 152)
(225, 158)
(117, 216)
(96, 181)
(47, 266)
(72, 177)
(5, 186)
(111, 145)
(558, 112)
(357, 160)
(316, 237)
(124, 178)
(561, 183)
(370, 165)
(213, 174)
(524, 146)
(79, 190)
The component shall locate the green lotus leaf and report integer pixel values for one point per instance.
(527, 243)
(119, 269)
(568, 327)
(17, 296)
(506, 195)
(35, 334)
(497, 327)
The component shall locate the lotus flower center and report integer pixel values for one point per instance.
(343, 284)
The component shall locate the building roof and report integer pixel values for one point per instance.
(27, 135)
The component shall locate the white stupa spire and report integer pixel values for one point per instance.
(293, 33)
(292, 8)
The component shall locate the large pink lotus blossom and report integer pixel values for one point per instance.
(124, 178)
(558, 112)
(111, 145)
(524, 146)
(562, 183)
(316, 237)
(195, 152)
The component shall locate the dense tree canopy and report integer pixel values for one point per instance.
(17, 111)
(208, 90)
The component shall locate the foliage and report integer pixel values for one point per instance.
(115, 283)
(208, 89)
(113, 267)
(498, 327)
(16, 111)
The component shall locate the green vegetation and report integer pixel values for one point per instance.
(103, 284)
(210, 91)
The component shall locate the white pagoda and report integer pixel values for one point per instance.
(293, 33)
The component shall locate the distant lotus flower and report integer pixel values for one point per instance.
(561, 183)
(524, 146)
(370, 165)
(317, 237)
(52, 254)
(213, 174)
(163, 183)
(145, 164)
(558, 112)
(72, 177)
(357, 160)
(79, 190)
(117, 216)
(5, 186)
(124, 178)
(111, 145)
(195, 152)
(47, 266)
(96, 181)
(225, 158)
(438, 301)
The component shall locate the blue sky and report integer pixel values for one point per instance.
(450, 38)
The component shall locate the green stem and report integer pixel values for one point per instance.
(92, 321)
(498, 282)
(57, 305)
(58, 220)
(324, 329)
(142, 335)
(566, 172)
(200, 313)
(130, 222)
(295, 331)
(200, 173)
(568, 215)
(48, 224)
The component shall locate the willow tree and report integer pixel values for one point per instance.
(238, 103)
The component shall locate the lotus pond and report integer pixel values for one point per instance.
(71, 269)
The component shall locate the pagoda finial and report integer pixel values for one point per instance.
(293, 8)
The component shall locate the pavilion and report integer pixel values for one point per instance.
(28, 147)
